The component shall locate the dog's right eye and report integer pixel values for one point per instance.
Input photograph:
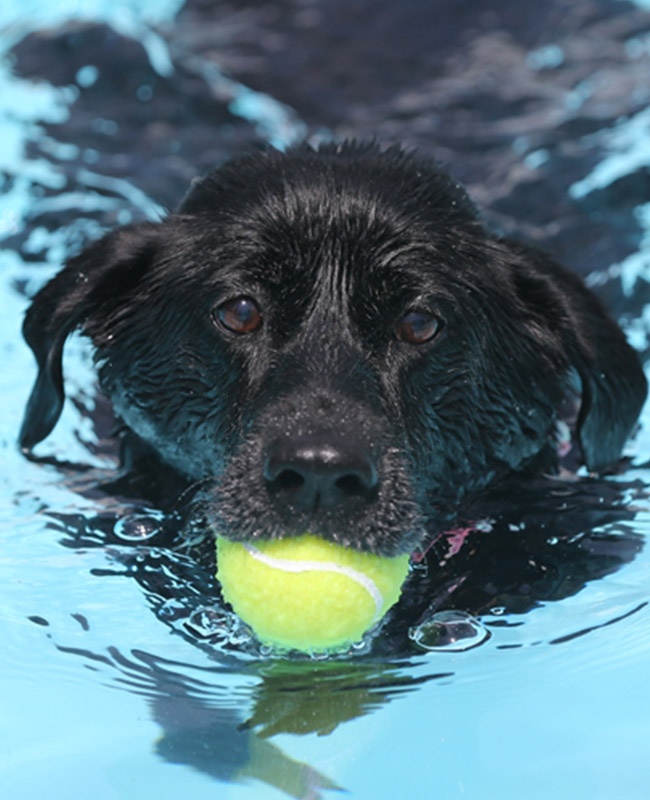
(239, 315)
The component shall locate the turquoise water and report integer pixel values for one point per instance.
(115, 679)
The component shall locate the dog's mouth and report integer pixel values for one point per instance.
(356, 496)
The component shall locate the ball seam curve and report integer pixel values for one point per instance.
(287, 565)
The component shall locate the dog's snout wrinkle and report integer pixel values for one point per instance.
(319, 471)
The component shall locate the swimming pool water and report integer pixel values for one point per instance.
(117, 679)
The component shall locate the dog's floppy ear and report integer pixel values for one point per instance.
(105, 270)
(613, 383)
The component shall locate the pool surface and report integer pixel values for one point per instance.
(122, 676)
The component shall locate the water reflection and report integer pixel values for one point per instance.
(316, 698)
(225, 733)
(217, 741)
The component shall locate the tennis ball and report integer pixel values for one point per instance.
(306, 593)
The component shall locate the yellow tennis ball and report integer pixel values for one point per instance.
(306, 593)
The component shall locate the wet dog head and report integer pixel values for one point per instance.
(333, 341)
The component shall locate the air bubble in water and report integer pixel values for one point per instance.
(207, 621)
(449, 631)
(136, 527)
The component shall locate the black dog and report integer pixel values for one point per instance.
(333, 341)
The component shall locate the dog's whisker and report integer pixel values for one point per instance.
(192, 489)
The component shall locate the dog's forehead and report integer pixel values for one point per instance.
(320, 242)
(360, 236)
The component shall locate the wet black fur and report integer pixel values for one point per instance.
(335, 246)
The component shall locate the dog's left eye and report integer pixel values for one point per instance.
(417, 327)
(239, 315)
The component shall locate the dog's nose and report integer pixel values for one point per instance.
(319, 471)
